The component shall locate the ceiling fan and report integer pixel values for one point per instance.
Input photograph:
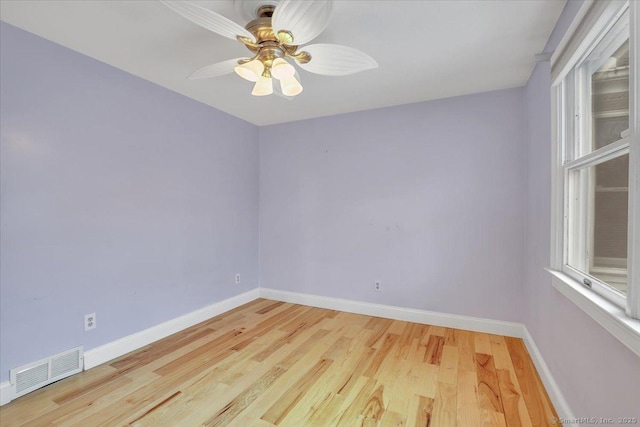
(275, 31)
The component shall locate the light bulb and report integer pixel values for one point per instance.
(281, 69)
(290, 86)
(264, 86)
(251, 70)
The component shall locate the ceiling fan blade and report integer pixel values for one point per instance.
(215, 70)
(336, 60)
(208, 19)
(304, 19)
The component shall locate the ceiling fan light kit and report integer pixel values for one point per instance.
(276, 33)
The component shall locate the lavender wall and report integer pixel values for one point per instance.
(118, 197)
(425, 197)
(598, 375)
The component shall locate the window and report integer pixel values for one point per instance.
(596, 195)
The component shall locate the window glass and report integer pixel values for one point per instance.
(606, 90)
(599, 212)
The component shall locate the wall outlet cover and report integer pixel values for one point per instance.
(89, 321)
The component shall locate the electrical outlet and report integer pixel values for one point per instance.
(377, 285)
(89, 321)
(237, 278)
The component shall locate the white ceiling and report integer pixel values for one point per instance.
(425, 49)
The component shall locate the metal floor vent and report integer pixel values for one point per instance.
(28, 378)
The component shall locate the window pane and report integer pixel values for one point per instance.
(599, 221)
(607, 89)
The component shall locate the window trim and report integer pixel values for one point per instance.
(633, 268)
(592, 21)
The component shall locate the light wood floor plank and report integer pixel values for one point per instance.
(466, 351)
(449, 366)
(239, 403)
(271, 363)
(488, 392)
(433, 350)
(445, 406)
(538, 404)
(482, 343)
(515, 410)
(468, 412)
(420, 411)
(276, 413)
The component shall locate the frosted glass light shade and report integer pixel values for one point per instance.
(250, 70)
(281, 69)
(290, 86)
(264, 86)
(304, 19)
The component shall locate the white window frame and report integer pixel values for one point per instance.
(615, 313)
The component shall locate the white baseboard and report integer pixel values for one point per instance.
(555, 394)
(476, 324)
(104, 353)
(498, 327)
(5, 392)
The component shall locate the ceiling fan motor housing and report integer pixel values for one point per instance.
(251, 9)
(269, 46)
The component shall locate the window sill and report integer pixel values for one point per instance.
(608, 315)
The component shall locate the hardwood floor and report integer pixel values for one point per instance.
(272, 363)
